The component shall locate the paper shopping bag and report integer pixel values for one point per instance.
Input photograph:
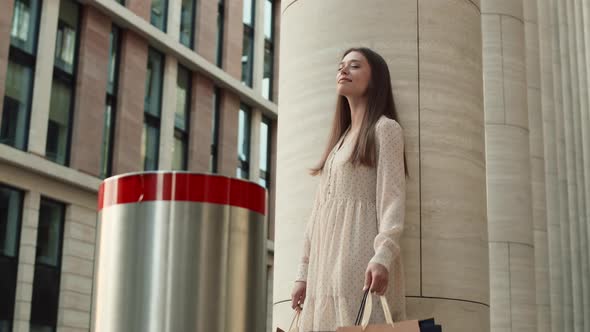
(294, 327)
(362, 320)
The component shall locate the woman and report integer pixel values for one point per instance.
(353, 235)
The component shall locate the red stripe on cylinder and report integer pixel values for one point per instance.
(188, 187)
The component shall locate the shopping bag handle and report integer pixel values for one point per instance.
(369, 309)
(295, 320)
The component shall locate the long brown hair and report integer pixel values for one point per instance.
(379, 102)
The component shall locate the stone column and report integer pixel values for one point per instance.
(434, 52)
(537, 161)
(582, 157)
(569, 91)
(551, 184)
(567, 299)
(511, 241)
(43, 76)
(26, 262)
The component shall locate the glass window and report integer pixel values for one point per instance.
(265, 141)
(11, 201)
(62, 91)
(153, 83)
(158, 14)
(248, 12)
(247, 53)
(149, 148)
(153, 107)
(248, 42)
(215, 130)
(113, 60)
(219, 35)
(14, 128)
(17, 105)
(267, 78)
(65, 45)
(49, 233)
(110, 115)
(244, 142)
(187, 22)
(269, 19)
(181, 125)
(11, 205)
(25, 20)
(58, 128)
(46, 280)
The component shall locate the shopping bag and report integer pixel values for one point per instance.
(364, 314)
(294, 327)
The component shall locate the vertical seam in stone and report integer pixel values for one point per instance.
(419, 148)
(509, 285)
(502, 65)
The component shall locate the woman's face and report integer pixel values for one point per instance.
(353, 75)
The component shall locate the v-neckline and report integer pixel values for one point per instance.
(342, 139)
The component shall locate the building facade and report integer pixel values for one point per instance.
(493, 99)
(96, 88)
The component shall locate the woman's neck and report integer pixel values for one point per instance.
(358, 106)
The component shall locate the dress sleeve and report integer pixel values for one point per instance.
(391, 191)
(304, 261)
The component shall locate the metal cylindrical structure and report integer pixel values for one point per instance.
(179, 251)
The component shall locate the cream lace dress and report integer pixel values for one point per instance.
(357, 218)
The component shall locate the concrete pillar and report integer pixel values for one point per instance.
(510, 224)
(258, 65)
(255, 122)
(168, 113)
(583, 157)
(43, 77)
(75, 293)
(537, 161)
(169, 102)
(570, 94)
(435, 62)
(562, 170)
(91, 89)
(5, 27)
(551, 185)
(26, 262)
(584, 8)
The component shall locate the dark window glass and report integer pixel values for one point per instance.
(220, 30)
(187, 22)
(268, 77)
(11, 205)
(110, 111)
(215, 130)
(248, 42)
(153, 83)
(25, 25)
(150, 144)
(62, 91)
(244, 142)
(47, 276)
(20, 73)
(265, 144)
(17, 105)
(152, 110)
(181, 125)
(159, 14)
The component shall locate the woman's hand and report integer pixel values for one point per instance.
(376, 278)
(298, 295)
